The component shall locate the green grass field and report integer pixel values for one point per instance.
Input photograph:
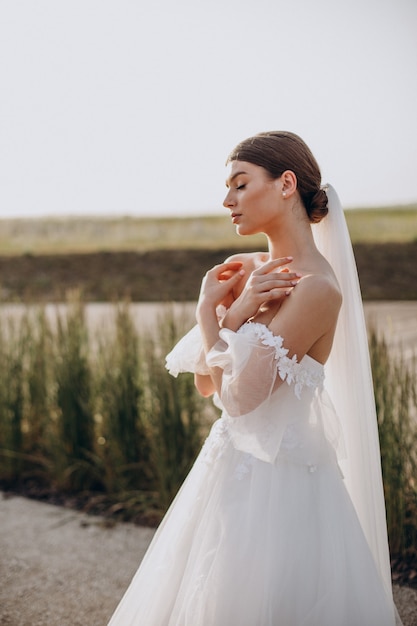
(88, 234)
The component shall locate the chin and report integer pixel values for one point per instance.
(243, 232)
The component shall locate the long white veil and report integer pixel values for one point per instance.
(349, 383)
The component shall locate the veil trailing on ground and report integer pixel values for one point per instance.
(349, 383)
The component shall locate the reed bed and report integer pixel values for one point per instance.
(395, 388)
(97, 417)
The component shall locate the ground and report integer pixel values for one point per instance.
(59, 567)
(386, 271)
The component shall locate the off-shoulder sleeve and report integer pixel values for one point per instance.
(254, 363)
(188, 355)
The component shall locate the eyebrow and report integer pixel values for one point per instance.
(231, 179)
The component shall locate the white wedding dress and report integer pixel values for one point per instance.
(281, 520)
(262, 532)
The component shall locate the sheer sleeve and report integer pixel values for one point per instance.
(254, 364)
(188, 355)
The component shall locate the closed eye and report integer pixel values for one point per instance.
(240, 187)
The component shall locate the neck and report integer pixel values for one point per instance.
(295, 242)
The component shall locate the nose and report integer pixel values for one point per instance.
(229, 202)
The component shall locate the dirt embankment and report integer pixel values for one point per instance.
(387, 272)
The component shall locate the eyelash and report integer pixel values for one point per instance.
(240, 187)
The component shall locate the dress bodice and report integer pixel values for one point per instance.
(271, 404)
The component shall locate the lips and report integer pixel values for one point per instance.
(235, 216)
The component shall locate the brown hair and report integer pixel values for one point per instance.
(278, 151)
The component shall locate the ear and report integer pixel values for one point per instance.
(288, 182)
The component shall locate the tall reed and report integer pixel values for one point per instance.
(124, 442)
(174, 412)
(40, 408)
(73, 380)
(396, 402)
(102, 414)
(13, 338)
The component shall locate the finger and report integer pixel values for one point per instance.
(277, 293)
(277, 288)
(231, 265)
(280, 278)
(228, 275)
(221, 267)
(273, 265)
(285, 270)
(264, 289)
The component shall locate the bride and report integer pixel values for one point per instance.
(281, 520)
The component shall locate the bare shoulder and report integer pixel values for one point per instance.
(320, 288)
(323, 283)
(307, 318)
(316, 299)
(250, 260)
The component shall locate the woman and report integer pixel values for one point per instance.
(281, 520)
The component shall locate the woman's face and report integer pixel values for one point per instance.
(253, 198)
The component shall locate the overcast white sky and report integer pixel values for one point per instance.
(131, 106)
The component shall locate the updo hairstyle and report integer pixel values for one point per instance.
(278, 151)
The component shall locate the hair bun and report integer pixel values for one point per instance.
(317, 207)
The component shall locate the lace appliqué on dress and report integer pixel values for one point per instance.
(289, 369)
(215, 445)
(293, 442)
(291, 439)
(244, 467)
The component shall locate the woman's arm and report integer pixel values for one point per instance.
(217, 284)
(204, 385)
(247, 368)
(307, 320)
(264, 284)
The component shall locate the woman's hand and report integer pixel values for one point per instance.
(265, 284)
(218, 284)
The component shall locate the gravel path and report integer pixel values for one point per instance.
(59, 567)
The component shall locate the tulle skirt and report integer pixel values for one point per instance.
(250, 543)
